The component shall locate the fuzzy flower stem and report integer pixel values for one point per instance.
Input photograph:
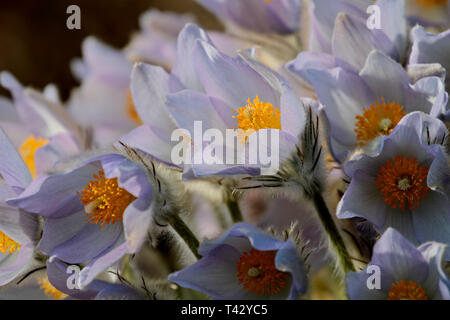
(333, 232)
(185, 233)
(235, 212)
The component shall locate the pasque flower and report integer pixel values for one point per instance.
(246, 263)
(361, 107)
(209, 86)
(156, 41)
(339, 36)
(19, 230)
(405, 272)
(99, 211)
(103, 102)
(405, 184)
(47, 132)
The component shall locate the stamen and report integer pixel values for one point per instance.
(406, 290)
(257, 115)
(28, 149)
(104, 200)
(258, 274)
(50, 290)
(403, 181)
(8, 245)
(131, 109)
(378, 119)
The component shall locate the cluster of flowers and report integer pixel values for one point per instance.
(92, 205)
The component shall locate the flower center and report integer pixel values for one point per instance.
(50, 290)
(8, 245)
(402, 181)
(258, 274)
(104, 200)
(28, 149)
(431, 3)
(131, 109)
(258, 115)
(378, 119)
(406, 290)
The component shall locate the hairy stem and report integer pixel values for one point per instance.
(235, 212)
(185, 233)
(335, 237)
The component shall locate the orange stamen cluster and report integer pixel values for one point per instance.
(28, 149)
(49, 290)
(403, 182)
(104, 200)
(258, 115)
(406, 290)
(8, 245)
(431, 3)
(258, 274)
(131, 109)
(378, 119)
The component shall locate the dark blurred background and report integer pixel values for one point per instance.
(37, 47)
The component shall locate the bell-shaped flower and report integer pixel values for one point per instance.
(400, 271)
(246, 263)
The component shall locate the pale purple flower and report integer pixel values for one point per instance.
(156, 41)
(400, 271)
(103, 101)
(246, 263)
(354, 103)
(99, 211)
(405, 184)
(19, 230)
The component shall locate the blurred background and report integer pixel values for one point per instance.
(37, 47)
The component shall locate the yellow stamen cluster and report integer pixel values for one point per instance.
(28, 149)
(50, 290)
(131, 109)
(104, 200)
(378, 119)
(407, 290)
(8, 245)
(257, 115)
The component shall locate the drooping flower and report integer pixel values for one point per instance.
(246, 264)
(99, 211)
(264, 16)
(404, 184)
(400, 271)
(362, 107)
